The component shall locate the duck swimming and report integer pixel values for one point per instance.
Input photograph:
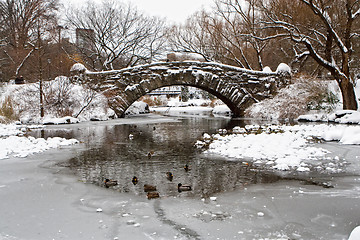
(110, 183)
(182, 188)
(169, 176)
(151, 195)
(134, 180)
(186, 167)
(150, 154)
(149, 188)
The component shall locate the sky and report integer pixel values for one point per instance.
(175, 11)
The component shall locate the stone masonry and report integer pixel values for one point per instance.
(238, 88)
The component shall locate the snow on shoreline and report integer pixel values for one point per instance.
(283, 147)
(340, 116)
(13, 143)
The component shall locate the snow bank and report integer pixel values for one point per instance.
(62, 120)
(10, 129)
(341, 116)
(14, 143)
(15, 130)
(284, 147)
(24, 146)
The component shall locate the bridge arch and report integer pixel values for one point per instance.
(238, 88)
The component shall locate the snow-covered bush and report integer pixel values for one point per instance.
(60, 98)
(296, 99)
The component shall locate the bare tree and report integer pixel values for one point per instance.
(117, 34)
(322, 30)
(192, 37)
(19, 29)
(224, 35)
(239, 20)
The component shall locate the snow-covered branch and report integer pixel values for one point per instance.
(324, 16)
(331, 66)
(23, 61)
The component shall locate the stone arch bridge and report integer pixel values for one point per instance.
(238, 88)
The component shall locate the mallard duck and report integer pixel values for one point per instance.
(150, 154)
(186, 167)
(110, 183)
(149, 188)
(169, 176)
(134, 180)
(183, 187)
(151, 195)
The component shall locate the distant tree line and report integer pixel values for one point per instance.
(320, 38)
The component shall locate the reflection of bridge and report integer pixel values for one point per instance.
(238, 88)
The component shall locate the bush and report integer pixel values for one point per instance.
(7, 111)
(151, 102)
(296, 99)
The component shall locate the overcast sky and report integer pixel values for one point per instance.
(176, 11)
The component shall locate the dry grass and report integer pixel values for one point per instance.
(7, 112)
(303, 95)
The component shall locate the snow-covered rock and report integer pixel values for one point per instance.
(283, 68)
(355, 234)
(78, 68)
(267, 70)
(137, 108)
(222, 110)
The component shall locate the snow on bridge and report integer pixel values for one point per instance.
(237, 87)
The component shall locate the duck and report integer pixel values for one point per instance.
(151, 195)
(150, 154)
(186, 167)
(110, 183)
(149, 188)
(184, 187)
(134, 180)
(169, 176)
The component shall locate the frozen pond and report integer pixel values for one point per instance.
(230, 199)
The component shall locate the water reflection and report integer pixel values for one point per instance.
(110, 153)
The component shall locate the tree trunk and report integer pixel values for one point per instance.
(348, 94)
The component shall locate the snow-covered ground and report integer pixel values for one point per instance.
(283, 147)
(14, 143)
